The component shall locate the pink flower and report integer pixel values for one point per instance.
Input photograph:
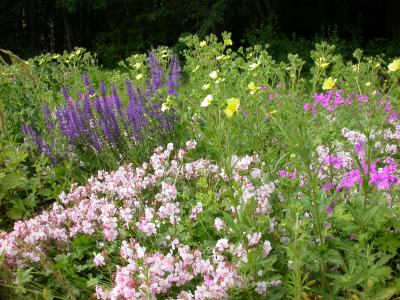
(218, 224)
(266, 248)
(254, 238)
(261, 288)
(222, 244)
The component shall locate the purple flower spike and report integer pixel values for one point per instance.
(103, 89)
(156, 72)
(174, 76)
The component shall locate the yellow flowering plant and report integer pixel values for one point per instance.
(232, 106)
(394, 66)
(328, 84)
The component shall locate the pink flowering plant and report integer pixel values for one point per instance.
(173, 227)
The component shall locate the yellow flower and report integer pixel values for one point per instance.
(205, 87)
(329, 83)
(206, 101)
(293, 155)
(368, 83)
(232, 106)
(394, 66)
(203, 44)
(253, 88)
(137, 65)
(139, 76)
(228, 42)
(213, 75)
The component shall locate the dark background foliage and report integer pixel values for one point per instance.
(117, 28)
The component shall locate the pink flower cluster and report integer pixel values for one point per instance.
(147, 275)
(332, 99)
(144, 201)
(341, 169)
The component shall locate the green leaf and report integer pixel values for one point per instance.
(14, 213)
(12, 181)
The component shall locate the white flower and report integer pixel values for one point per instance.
(140, 251)
(99, 259)
(139, 76)
(213, 75)
(164, 107)
(207, 101)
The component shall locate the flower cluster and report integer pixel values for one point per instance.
(344, 169)
(145, 203)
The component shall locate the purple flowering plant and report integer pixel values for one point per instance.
(101, 121)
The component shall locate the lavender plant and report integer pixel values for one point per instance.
(97, 123)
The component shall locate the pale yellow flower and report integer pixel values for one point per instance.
(394, 66)
(195, 69)
(328, 84)
(139, 76)
(203, 44)
(167, 104)
(205, 87)
(252, 88)
(368, 83)
(206, 101)
(223, 57)
(137, 65)
(254, 66)
(213, 75)
(232, 106)
(228, 42)
(322, 63)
